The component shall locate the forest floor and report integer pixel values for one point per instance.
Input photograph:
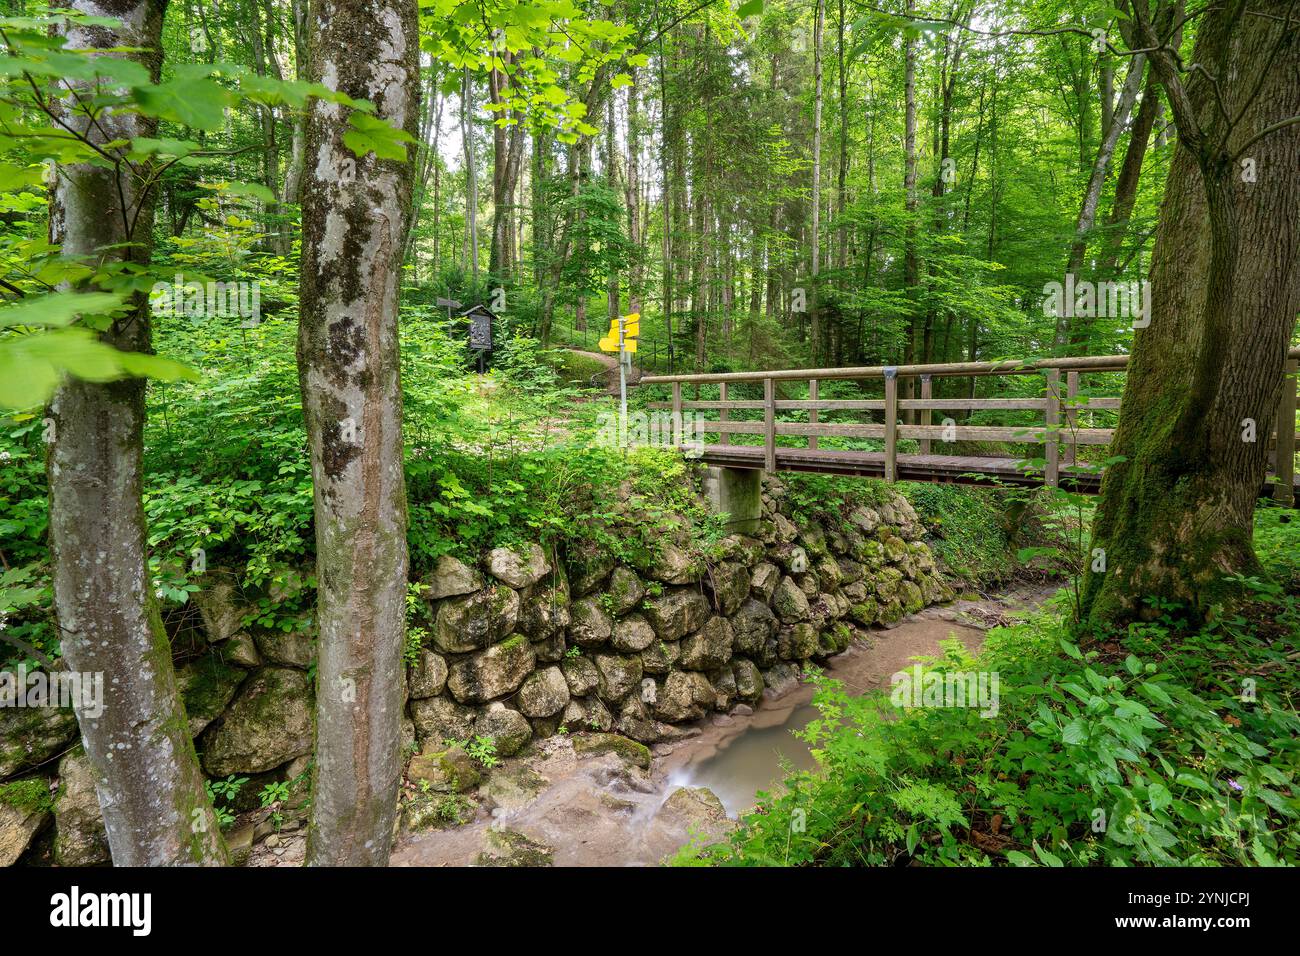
(555, 805)
(611, 365)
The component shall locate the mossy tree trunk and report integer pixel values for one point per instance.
(147, 776)
(355, 213)
(1175, 516)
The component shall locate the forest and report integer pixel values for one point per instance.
(703, 433)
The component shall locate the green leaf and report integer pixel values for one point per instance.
(750, 8)
(196, 101)
(1075, 732)
(57, 309)
(371, 135)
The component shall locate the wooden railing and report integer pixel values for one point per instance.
(1060, 433)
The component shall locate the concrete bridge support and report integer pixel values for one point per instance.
(738, 493)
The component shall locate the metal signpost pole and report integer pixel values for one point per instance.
(622, 388)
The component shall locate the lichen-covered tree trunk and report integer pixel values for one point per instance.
(355, 212)
(147, 776)
(1203, 384)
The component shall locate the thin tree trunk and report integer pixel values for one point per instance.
(147, 777)
(471, 175)
(348, 366)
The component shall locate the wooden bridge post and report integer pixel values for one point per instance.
(1052, 437)
(891, 424)
(926, 414)
(1071, 415)
(1284, 452)
(676, 423)
(724, 415)
(812, 412)
(769, 425)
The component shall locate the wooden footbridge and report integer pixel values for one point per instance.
(1063, 423)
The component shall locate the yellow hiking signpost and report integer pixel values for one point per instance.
(621, 338)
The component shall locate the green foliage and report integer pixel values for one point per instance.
(30, 796)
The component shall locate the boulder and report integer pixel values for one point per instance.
(741, 548)
(709, 647)
(764, 580)
(519, 568)
(441, 718)
(625, 591)
(293, 648)
(476, 620)
(895, 548)
(797, 643)
(685, 695)
(828, 574)
(865, 519)
(850, 571)
(508, 729)
(428, 677)
(910, 596)
(632, 634)
(450, 578)
(724, 687)
(677, 612)
(808, 584)
(544, 693)
(79, 835)
(207, 685)
(581, 675)
(220, 607)
(595, 744)
(751, 626)
(866, 612)
(781, 678)
(495, 672)
(544, 611)
(792, 558)
(748, 679)
(854, 592)
(269, 724)
(587, 714)
(24, 811)
(589, 565)
(789, 602)
(660, 657)
(552, 649)
(448, 770)
(241, 650)
(730, 583)
(786, 530)
(692, 810)
(511, 848)
(673, 565)
(618, 675)
(590, 624)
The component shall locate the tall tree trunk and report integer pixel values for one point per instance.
(815, 325)
(1176, 512)
(911, 261)
(471, 175)
(297, 149)
(355, 214)
(147, 776)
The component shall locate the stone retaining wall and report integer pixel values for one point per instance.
(526, 645)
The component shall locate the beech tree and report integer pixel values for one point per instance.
(1203, 383)
(147, 776)
(356, 207)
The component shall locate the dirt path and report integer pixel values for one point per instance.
(611, 364)
(572, 810)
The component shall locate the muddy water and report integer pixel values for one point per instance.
(602, 812)
(739, 765)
